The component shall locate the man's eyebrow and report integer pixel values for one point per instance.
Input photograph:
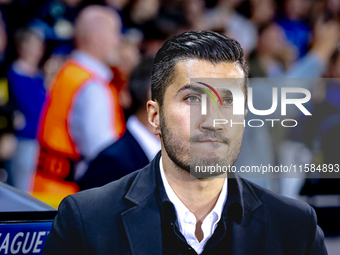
(226, 92)
(191, 87)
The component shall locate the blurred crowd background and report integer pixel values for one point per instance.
(47, 52)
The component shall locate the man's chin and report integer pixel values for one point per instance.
(211, 157)
(209, 149)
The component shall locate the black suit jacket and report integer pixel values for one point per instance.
(119, 159)
(123, 217)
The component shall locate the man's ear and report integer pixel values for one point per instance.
(153, 116)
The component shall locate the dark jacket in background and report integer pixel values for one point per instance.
(123, 217)
(119, 159)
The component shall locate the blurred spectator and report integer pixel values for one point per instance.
(138, 145)
(312, 65)
(129, 57)
(82, 113)
(333, 6)
(26, 84)
(118, 6)
(273, 54)
(323, 140)
(262, 12)
(223, 17)
(294, 24)
(273, 57)
(7, 139)
(139, 12)
(194, 11)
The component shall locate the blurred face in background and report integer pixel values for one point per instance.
(297, 9)
(31, 49)
(98, 32)
(110, 34)
(262, 11)
(144, 10)
(194, 7)
(272, 39)
(194, 11)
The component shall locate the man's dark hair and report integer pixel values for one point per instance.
(202, 45)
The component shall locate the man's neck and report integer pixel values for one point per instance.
(93, 54)
(198, 195)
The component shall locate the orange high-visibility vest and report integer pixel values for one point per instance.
(57, 146)
(54, 130)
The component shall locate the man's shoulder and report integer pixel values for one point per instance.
(289, 223)
(279, 207)
(108, 198)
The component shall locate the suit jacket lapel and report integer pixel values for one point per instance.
(248, 237)
(143, 221)
(143, 229)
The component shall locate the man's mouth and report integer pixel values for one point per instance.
(211, 137)
(210, 141)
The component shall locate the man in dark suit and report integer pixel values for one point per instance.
(162, 208)
(137, 147)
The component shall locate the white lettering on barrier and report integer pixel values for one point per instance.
(15, 251)
(38, 242)
(17, 245)
(24, 250)
(5, 244)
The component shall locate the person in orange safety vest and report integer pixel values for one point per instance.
(81, 115)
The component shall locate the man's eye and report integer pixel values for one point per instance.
(228, 101)
(192, 99)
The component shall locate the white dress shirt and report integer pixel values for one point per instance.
(186, 220)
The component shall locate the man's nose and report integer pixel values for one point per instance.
(213, 112)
